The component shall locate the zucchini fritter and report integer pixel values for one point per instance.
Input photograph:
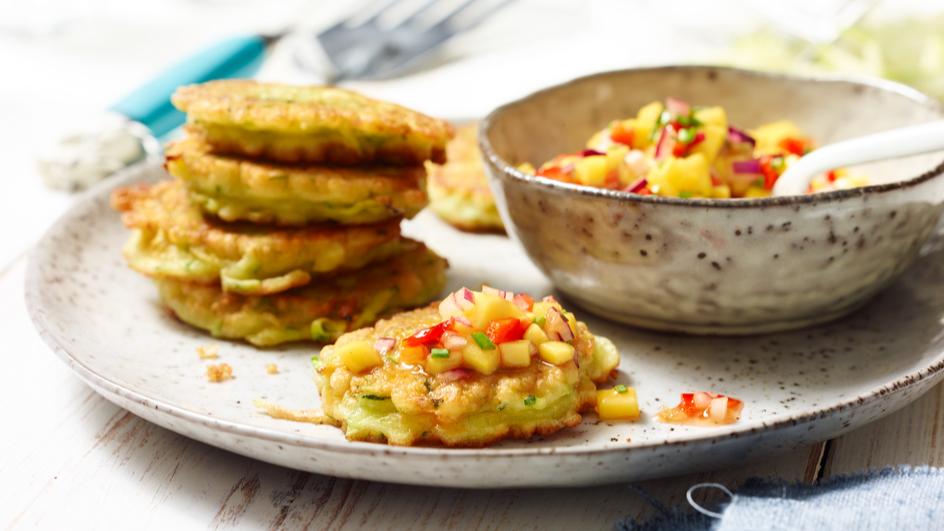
(239, 189)
(458, 189)
(171, 238)
(291, 123)
(380, 386)
(320, 311)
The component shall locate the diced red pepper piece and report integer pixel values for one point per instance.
(699, 138)
(621, 134)
(504, 330)
(831, 176)
(797, 146)
(679, 149)
(428, 336)
(770, 174)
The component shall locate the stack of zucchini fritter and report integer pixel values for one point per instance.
(284, 221)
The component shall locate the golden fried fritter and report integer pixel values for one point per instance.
(292, 123)
(458, 189)
(239, 189)
(171, 239)
(321, 311)
(401, 404)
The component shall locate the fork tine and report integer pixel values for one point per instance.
(378, 7)
(449, 19)
(415, 15)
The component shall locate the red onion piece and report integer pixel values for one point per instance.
(455, 374)
(464, 299)
(677, 107)
(558, 326)
(384, 344)
(463, 320)
(549, 298)
(521, 301)
(665, 144)
(453, 341)
(637, 186)
(736, 136)
(746, 166)
(592, 153)
(449, 307)
(488, 290)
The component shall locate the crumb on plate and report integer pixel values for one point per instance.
(272, 368)
(209, 352)
(219, 372)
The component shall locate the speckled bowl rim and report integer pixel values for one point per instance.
(899, 89)
(44, 251)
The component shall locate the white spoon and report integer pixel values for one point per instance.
(911, 140)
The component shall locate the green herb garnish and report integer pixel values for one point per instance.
(439, 353)
(316, 361)
(483, 341)
(685, 195)
(530, 400)
(621, 388)
(778, 164)
(686, 135)
(689, 120)
(375, 397)
(539, 320)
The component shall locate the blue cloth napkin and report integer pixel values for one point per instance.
(900, 499)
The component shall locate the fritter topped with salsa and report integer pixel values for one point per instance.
(480, 367)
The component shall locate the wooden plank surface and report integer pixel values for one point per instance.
(74, 460)
(914, 436)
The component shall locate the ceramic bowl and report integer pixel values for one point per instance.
(711, 265)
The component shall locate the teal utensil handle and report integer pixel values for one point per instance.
(150, 104)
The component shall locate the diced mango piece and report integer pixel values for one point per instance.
(757, 191)
(414, 355)
(540, 308)
(615, 155)
(436, 364)
(488, 307)
(722, 191)
(769, 136)
(646, 120)
(619, 403)
(711, 145)
(556, 352)
(682, 177)
(515, 353)
(483, 361)
(591, 170)
(713, 116)
(358, 356)
(535, 334)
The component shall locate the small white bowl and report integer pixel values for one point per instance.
(710, 265)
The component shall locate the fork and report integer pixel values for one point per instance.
(372, 44)
(369, 45)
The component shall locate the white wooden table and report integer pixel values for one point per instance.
(72, 460)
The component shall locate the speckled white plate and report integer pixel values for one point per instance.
(106, 323)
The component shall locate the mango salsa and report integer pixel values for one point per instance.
(675, 149)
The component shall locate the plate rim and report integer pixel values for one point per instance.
(38, 316)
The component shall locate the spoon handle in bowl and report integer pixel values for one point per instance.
(902, 142)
